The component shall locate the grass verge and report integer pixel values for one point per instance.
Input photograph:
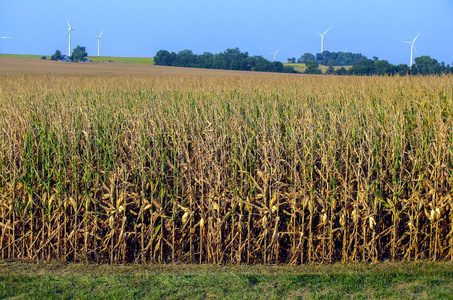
(23, 56)
(427, 280)
(134, 60)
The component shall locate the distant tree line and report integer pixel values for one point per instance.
(361, 65)
(328, 58)
(230, 59)
(424, 65)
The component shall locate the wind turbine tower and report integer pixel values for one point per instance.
(412, 49)
(323, 39)
(275, 54)
(99, 40)
(3, 37)
(70, 29)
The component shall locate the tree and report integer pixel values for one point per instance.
(445, 69)
(352, 58)
(426, 65)
(330, 70)
(333, 58)
(292, 60)
(324, 57)
(382, 67)
(205, 60)
(57, 56)
(235, 59)
(312, 68)
(363, 67)
(288, 69)
(186, 58)
(219, 61)
(402, 69)
(276, 66)
(165, 58)
(306, 57)
(257, 63)
(78, 54)
(230, 59)
(341, 71)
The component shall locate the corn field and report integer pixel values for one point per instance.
(226, 169)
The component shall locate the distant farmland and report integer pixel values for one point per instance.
(31, 65)
(21, 56)
(297, 67)
(301, 67)
(134, 60)
(144, 60)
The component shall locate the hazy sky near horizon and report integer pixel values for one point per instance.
(141, 28)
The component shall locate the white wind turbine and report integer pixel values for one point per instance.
(70, 29)
(323, 39)
(99, 40)
(412, 49)
(4, 37)
(275, 54)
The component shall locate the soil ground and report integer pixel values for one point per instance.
(38, 66)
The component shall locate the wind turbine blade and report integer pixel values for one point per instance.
(277, 51)
(406, 42)
(69, 26)
(317, 33)
(327, 30)
(416, 37)
(101, 33)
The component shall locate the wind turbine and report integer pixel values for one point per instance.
(323, 40)
(70, 29)
(274, 54)
(99, 40)
(412, 48)
(4, 37)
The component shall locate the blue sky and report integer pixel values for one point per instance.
(141, 28)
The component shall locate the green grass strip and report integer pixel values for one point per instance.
(133, 60)
(355, 281)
